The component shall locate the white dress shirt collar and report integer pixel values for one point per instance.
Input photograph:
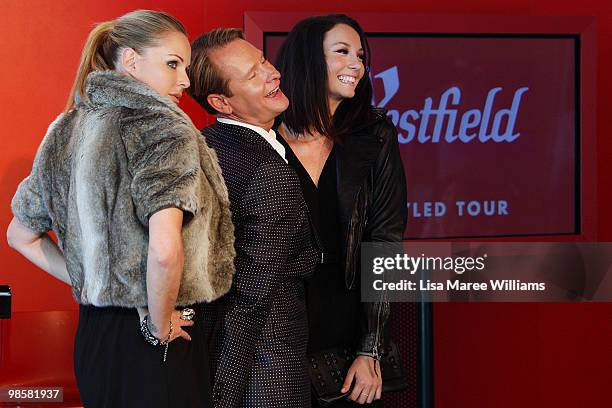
(270, 136)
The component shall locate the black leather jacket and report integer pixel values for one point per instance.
(372, 208)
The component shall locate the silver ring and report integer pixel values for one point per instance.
(187, 314)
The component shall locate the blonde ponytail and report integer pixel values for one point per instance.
(95, 57)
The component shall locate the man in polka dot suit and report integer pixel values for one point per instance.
(260, 329)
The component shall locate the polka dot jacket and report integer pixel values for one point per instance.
(260, 333)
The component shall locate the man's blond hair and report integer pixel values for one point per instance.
(204, 76)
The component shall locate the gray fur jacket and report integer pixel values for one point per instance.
(103, 169)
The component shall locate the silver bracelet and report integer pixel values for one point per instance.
(366, 354)
(151, 339)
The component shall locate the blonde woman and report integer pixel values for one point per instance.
(141, 214)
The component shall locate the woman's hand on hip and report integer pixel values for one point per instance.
(365, 372)
(178, 324)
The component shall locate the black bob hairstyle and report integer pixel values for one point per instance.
(303, 69)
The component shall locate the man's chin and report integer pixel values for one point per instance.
(279, 106)
(285, 104)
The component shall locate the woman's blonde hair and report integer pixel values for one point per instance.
(137, 30)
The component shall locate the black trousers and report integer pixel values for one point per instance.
(115, 367)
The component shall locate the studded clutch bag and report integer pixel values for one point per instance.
(328, 369)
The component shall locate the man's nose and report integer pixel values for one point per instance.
(271, 72)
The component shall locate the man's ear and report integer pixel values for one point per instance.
(128, 59)
(220, 103)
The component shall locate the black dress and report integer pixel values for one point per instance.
(333, 311)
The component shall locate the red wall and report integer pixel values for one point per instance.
(486, 355)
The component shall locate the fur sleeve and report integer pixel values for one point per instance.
(28, 204)
(163, 159)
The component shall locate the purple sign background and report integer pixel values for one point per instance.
(487, 130)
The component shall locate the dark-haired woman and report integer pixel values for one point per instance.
(141, 214)
(346, 155)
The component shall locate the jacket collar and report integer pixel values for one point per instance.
(241, 135)
(112, 88)
(268, 136)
